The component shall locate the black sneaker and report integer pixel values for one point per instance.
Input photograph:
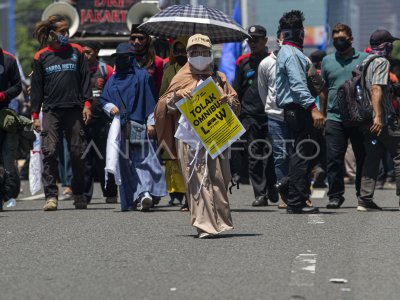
(334, 203)
(260, 201)
(367, 206)
(283, 189)
(305, 210)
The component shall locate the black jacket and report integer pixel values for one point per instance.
(60, 79)
(246, 85)
(10, 80)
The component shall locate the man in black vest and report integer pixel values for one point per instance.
(255, 120)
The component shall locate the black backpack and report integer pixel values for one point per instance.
(355, 107)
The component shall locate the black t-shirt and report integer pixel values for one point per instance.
(246, 85)
(60, 79)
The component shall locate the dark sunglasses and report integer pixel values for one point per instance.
(140, 38)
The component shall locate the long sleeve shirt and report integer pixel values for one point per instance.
(245, 84)
(291, 78)
(60, 79)
(267, 87)
(10, 80)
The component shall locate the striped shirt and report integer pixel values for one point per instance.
(378, 74)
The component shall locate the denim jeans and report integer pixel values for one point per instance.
(281, 147)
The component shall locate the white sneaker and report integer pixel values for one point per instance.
(146, 202)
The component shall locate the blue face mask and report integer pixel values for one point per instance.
(62, 39)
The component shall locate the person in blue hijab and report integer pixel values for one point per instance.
(130, 93)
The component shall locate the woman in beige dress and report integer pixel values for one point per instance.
(207, 179)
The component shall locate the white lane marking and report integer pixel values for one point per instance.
(315, 219)
(303, 270)
(318, 194)
(338, 280)
(35, 197)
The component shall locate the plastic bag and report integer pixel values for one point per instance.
(35, 167)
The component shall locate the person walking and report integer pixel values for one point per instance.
(383, 132)
(173, 173)
(10, 88)
(336, 69)
(277, 128)
(145, 55)
(98, 127)
(300, 111)
(255, 120)
(129, 93)
(207, 179)
(61, 89)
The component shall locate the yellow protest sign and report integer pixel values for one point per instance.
(213, 122)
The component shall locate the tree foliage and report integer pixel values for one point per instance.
(396, 50)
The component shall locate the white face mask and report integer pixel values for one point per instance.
(200, 62)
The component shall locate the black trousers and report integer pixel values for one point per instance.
(260, 158)
(54, 123)
(305, 151)
(95, 157)
(337, 137)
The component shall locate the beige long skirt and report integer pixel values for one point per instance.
(207, 186)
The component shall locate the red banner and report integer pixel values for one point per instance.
(104, 17)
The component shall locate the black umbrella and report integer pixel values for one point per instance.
(186, 20)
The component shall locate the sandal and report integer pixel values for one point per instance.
(282, 205)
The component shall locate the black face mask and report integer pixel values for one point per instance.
(123, 64)
(342, 45)
(181, 59)
(295, 36)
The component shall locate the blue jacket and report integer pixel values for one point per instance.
(291, 78)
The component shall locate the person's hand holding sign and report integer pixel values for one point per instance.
(183, 94)
(224, 99)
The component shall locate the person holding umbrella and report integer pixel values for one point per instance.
(207, 179)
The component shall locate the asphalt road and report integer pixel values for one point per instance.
(102, 253)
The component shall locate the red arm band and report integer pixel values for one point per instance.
(311, 107)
